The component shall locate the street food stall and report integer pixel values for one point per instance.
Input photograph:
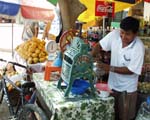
(60, 95)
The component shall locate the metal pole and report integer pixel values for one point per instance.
(103, 26)
(12, 40)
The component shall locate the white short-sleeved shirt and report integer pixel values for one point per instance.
(131, 57)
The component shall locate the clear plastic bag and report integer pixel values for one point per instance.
(144, 111)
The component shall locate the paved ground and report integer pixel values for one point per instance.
(3, 107)
(4, 111)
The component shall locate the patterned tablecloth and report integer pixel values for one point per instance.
(73, 109)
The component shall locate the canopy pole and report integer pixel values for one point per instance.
(103, 26)
(12, 45)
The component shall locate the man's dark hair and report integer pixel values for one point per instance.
(130, 24)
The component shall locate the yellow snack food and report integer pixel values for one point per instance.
(34, 55)
(32, 50)
(42, 59)
(35, 60)
(37, 51)
(10, 87)
(30, 60)
(18, 83)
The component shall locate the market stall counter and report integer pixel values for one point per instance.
(74, 108)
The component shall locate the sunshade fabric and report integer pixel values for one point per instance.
(30, 9)
(89, 14)
(54, 2)
(147, 0)
(9, 7)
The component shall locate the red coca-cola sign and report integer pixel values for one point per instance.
(103, 8)
(146, 0)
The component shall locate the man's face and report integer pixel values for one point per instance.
(127, 36)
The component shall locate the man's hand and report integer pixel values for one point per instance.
(97, 58)
(96, 50)
(104, 67)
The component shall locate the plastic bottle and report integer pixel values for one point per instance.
(144, 111)
(58, 61)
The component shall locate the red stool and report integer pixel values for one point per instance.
(48, 69)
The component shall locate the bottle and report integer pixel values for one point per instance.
(144, 111)
(58, 61)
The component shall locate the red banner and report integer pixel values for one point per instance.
(146, 0)
(103, 8)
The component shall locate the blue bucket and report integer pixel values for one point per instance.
(80, 86)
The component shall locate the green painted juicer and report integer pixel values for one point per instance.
(77, 63)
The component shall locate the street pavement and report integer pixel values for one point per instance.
(4, 113)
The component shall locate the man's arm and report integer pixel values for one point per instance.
(119, 70)
(96, 50)
(104, 44)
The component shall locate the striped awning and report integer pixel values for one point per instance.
(30, 9)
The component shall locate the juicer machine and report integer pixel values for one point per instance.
(77, 63)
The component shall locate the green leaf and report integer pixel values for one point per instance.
(83, 106)
(64, 109)
(69, 114)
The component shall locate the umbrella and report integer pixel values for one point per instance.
(54, 2)
(147, 1)
(30, 9)
(89, 14)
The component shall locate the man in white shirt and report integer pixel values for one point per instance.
(127, 56)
